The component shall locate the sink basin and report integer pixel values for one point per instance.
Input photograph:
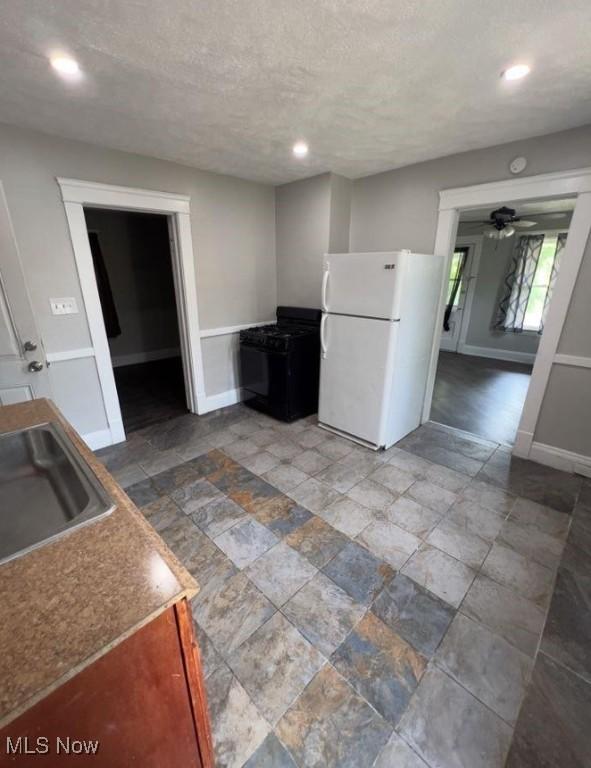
(46, 489)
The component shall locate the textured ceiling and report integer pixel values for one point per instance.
(229, 85)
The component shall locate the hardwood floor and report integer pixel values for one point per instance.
(480, 395)
(150, 392)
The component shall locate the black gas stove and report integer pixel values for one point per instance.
(280, 364)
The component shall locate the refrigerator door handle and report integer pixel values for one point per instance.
(324, 287)
(322, 339)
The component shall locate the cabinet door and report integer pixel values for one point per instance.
(135, 701)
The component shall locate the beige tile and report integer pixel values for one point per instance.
(389, 542)
(413, 517)
(394, 478)
(347, 516)
(431, 496)
(441, 574)
(372, 495)
(280, 572)
(459, 543)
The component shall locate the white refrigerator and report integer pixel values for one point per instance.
(377, 332)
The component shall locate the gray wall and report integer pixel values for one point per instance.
(302, 220)
(398, 209)
(136, 252)
(233, 227)
(565, 418)
(312, 218)
(495, 258)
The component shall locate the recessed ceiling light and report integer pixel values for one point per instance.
(516, 72)
(65, 65)
(300, 149)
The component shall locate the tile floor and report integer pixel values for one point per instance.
(361, 609)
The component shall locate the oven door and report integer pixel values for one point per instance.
(263, 378)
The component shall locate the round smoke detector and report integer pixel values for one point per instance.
(517, 165)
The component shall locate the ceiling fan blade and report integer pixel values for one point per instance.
(523, 223)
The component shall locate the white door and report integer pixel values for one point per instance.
(354, 371)
(455, 315)
(363, 284)
(23, 371)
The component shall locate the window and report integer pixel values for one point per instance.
(456, 275)
(534, 311)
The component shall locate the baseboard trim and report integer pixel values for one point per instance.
(523, 443)
(99, 439)
(498, 354)
(222, 399)
(559, 458)
(144, 357)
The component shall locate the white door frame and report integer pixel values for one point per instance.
(451, 203)
(474, 243)
(75, 195)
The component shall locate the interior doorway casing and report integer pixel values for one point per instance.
(451, 203)
(77, 194)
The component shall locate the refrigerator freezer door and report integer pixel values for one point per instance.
(355, 375)
(363, 284)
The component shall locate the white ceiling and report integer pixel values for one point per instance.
(229, 85)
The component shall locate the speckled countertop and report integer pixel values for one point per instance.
(64, 605)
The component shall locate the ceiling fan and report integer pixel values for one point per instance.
(502, 223)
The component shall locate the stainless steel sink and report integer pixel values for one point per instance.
(46, 489)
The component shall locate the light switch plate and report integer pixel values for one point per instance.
(65, 306)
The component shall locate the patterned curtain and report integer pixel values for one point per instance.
(518, 284)
(560, 243)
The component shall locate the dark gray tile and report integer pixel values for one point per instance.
(537, 482)
(381, 666)
(505, 612)
(230, 614)
(323, 613)
(331, 726)
(416, 615)
(486, 665)
(162, 513)
(447, 448)
(210, 658)
(282, 515)
(194, 495)
(448, 727)
(359, 573)
(174, 478)
(199, 555)
(528, 578)
(567, 634)
(554, 726)
(271, 754)
(143, 493)
(218, 515)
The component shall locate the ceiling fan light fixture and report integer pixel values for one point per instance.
(499, 234)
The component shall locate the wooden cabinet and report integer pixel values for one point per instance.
(143, 701)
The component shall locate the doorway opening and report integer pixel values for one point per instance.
(132, 262)
(500, 283)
